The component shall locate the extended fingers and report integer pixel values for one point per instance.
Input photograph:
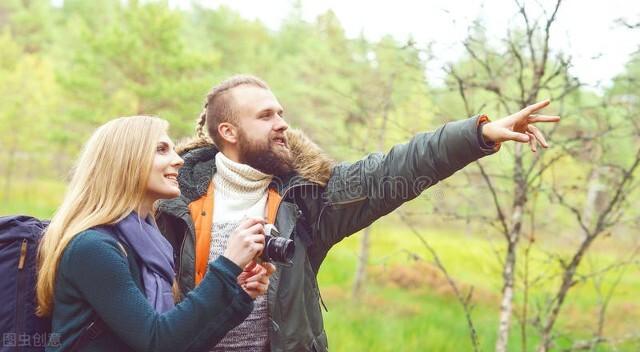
(532, 142)
(530, 113)
(539, 136)
(543, 118)
(516, 136)
(535, 107)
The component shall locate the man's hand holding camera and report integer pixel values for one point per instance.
(245, 245)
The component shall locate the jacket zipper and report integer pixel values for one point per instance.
(20, 288)
(276, 327)
(184, 240)
(349, 201)
(317, 224)
(317, 228)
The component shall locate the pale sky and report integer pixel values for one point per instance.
(586, 29)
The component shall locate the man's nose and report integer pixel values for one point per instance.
(280, 124)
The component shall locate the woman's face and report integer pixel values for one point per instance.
(163, 179)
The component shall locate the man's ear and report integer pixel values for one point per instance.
(228, 132)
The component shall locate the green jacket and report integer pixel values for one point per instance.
(322, 204)
(96, 276)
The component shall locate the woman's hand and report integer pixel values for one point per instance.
(254, 280)
(246, 242)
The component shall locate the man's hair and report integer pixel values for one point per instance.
(218, 106)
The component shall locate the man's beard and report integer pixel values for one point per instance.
(263, 157)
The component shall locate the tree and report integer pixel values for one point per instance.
(513, 77)
(28, 99)
(506, 79)
(138, 62)
(31, 23)
(606, 202)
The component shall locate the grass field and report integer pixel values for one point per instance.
(407, 304)
(37, 198)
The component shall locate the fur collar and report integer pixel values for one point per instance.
(310, 162)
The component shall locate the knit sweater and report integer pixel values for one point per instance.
(240, 192)
(96, 277)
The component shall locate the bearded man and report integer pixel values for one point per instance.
(257, 167)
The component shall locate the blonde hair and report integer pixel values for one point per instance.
(108, 183)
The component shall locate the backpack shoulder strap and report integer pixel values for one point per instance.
(273, 202)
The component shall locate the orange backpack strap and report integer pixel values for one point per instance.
(201, 211)
(202, 215)
(273, 202)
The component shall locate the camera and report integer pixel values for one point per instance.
(276, 249)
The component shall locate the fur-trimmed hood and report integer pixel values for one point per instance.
(309, 161)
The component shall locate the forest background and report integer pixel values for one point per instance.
(521, 251)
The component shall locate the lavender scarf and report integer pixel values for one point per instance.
(156, 255)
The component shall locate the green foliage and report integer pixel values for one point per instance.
(27, 89)
(65, 70)
(138, 63)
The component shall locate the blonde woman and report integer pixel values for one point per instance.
(104, 266)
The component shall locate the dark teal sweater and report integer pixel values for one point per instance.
(95, 276)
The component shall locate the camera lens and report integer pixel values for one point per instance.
(278, 249)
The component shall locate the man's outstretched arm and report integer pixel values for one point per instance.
(359, 193)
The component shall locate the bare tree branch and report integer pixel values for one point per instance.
(464, 300)
(496, 201)
(590, 235)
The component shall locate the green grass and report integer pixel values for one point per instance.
(38, 198)
(407, 305)
(393, 320)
